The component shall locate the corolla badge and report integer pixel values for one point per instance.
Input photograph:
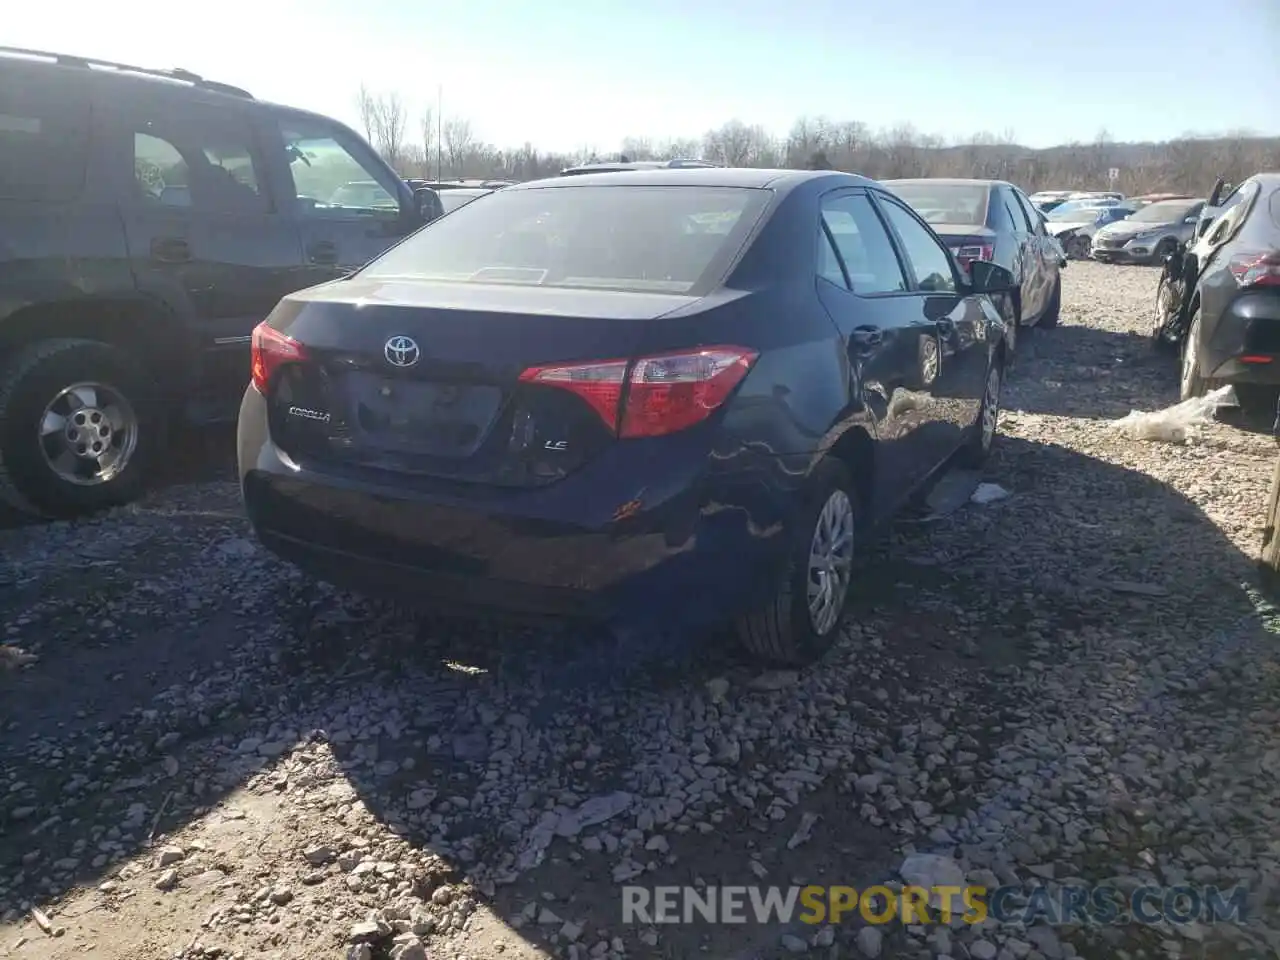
(401, 351)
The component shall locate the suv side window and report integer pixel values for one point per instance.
(329, 178)
(929, 259)
(862, 247)
(202, 162)
(43, 134)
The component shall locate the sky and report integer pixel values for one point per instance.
(583, 74)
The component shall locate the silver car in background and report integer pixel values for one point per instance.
(1150, 234)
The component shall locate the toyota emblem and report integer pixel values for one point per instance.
(401, 351)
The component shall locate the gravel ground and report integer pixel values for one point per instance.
(205, 756)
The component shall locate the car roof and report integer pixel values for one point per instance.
(177, 82)
(750, 177)
(951, 181)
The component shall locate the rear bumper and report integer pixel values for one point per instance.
(652, 532)
(1245, 345)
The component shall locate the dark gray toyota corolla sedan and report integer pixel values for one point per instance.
(673, 397)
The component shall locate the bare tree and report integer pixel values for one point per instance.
(459, 141)
(1187, 164)
(430, 128)
(365, 103)
(384, 119)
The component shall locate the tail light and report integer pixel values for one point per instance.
(977, 251)
(269, 349)
(655, 395)
(1256, 269)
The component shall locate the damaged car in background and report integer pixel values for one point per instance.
(1075, 228)
(992, 220)
(1150, 234)
(1218, 302)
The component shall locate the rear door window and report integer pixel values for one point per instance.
(1000, 217)
(862, 245)
(1030, 217)
(44, 131)
(929, 259)
(197, 158)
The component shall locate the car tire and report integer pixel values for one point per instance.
(97, 398)
(1053, 309)
(1190, 383)
(1078, 248)
(1167, 306)
(983, 432)
(786, 631)
(1011, 313)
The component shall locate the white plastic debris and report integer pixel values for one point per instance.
(1170, 425)
(988, 493)
(930, 871)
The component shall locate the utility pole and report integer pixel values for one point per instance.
(439, 133)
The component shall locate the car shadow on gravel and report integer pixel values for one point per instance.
(1082, 371)
(549, 766)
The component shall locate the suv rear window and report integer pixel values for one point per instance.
(635, 238)
(43, 134)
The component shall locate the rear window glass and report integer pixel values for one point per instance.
(636, 238)
(959, 203)
(43, 135)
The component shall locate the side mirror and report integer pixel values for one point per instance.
(988, 277)
(428, 204)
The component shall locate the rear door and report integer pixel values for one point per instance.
(346, 203)
(1035, 253)
(203, 228)
(958, 324)
(893, 345)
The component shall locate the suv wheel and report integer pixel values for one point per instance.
(75, 428)
(802, 619)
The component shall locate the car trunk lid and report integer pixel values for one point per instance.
(425, 378)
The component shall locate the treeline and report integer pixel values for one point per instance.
(1188, 164)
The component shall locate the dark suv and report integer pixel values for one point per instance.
(148, 221)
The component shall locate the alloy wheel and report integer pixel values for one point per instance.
(88, 434)
(991, 407)
(830, 562)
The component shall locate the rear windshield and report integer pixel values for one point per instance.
(1166, 211)
(635, 238)
(959, 203)
(1076, 214)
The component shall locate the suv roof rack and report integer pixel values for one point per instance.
(92, 63)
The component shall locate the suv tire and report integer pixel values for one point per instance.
(784, 630)
(97, 399)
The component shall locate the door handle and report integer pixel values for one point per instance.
(170, 250)
(868, 336)
(323, 252)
